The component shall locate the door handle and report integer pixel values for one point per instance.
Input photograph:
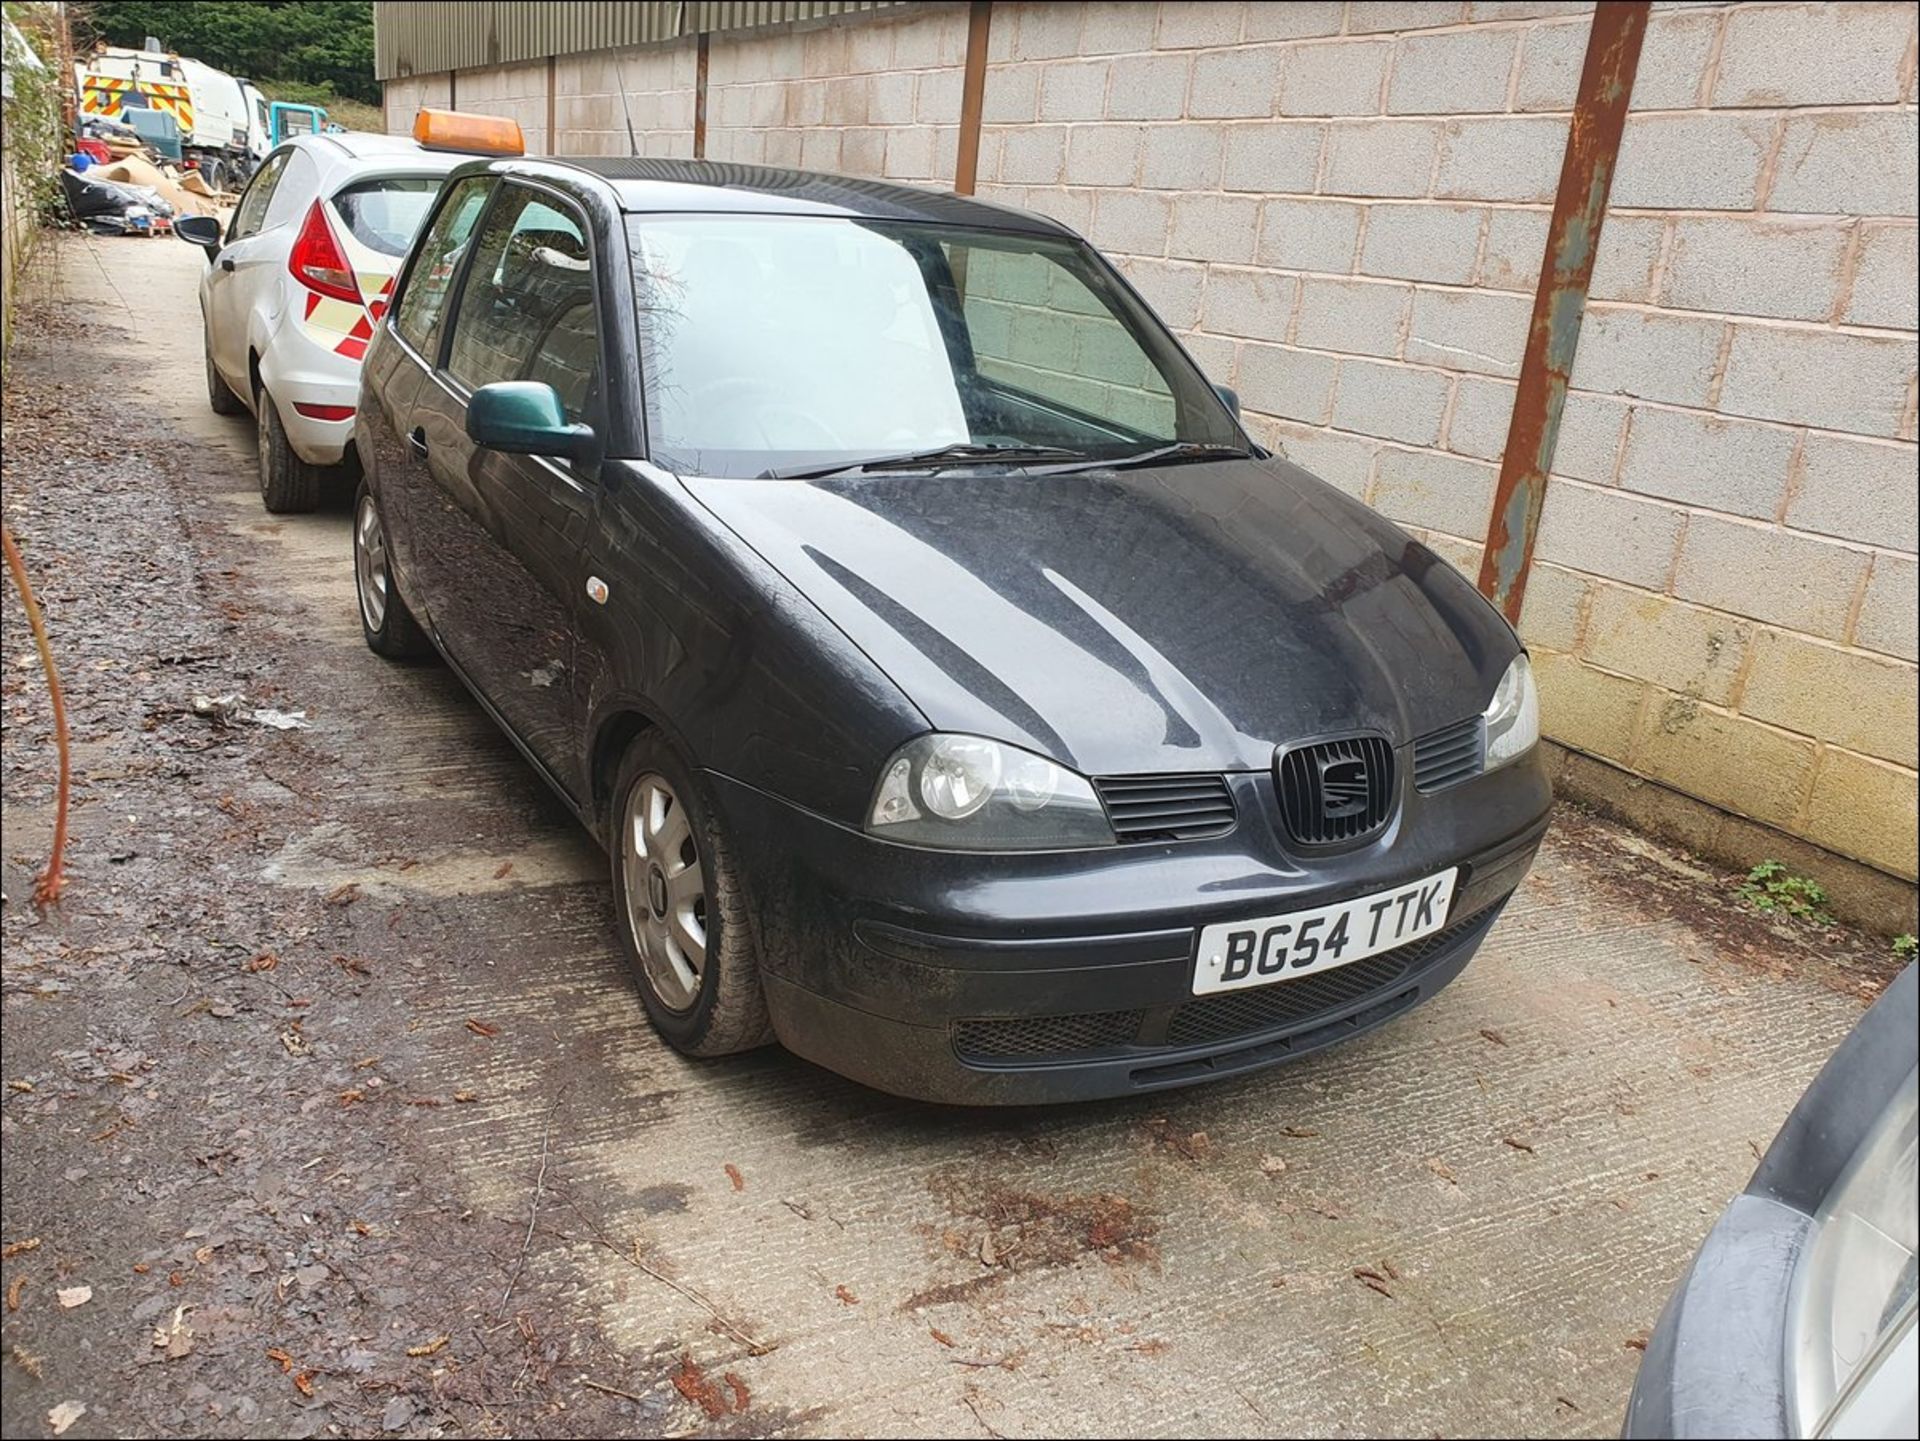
(226, 264)
(417, 443)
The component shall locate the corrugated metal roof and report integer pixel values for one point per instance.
(422, 37)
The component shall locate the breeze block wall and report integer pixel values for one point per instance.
(1342, 209)
(879, 98)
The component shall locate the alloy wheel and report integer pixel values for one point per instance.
(666, 891)
(370, 564)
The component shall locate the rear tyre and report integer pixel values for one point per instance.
(288, 485)
(385, 619)
(682, 911)
(219, 394)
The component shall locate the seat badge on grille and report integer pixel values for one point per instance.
(1343, 786)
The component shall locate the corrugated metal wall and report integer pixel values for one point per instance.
(421, 37)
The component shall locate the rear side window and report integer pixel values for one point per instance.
(528, 302)
(299, 186)
(436, 262)
(253, 205)
(385, 215)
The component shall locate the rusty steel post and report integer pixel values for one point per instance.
(1573, 237)
(700, 97)
(973, 94)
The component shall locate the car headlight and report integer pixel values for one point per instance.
(1851, 1312)
(1513, 715)
(967, 793)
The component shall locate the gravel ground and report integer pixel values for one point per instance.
(328, 1109)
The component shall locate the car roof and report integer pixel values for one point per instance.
(647, 185)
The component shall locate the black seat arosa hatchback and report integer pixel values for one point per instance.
(962, 698)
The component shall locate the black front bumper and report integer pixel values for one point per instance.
(1013, 979)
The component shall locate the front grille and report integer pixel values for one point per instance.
(1446, 757)
(1038, 1036)
(1166, 808)
(1285, 1003)
(1337, 791)
(1212, 1019)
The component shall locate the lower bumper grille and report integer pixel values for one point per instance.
(1241, 1013)
(1209, 1019)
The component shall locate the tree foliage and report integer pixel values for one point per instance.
(317, 42)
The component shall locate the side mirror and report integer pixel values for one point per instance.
(524, 417)
(200, 230)
(1230, 398)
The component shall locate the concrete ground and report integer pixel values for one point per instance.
(328, 1057)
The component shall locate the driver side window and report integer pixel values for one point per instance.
(527, 310)
(253, 205)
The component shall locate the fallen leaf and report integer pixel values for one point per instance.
(1566, 1403)
(265, 961)
(13, 1292)
(989, 1253)
(941, 1336)
(1441, 1169)
(503, 870)
(1272, 1165)
(27, 1361)
(25, 1088)
(303, 1383)
(353, 965)
(19, 1248)
(1635, 1343)
(1518, 1144)
(1393, 1272)
(741, 1395)
(140, 1268)
(365, 1061)
(347, 1098)
(847, 1298)
(64, 1415)
(481, 1028)
(429, 1348)
(1493, 1035)
(1372, 1280)
(466, 1097)
(71, 1296)
(733, 1175)
(361, 1228)
(344, 894)
(296, 1044)
(175, 1338)
(691, 1382)
(425, 1101)
(274, 1353)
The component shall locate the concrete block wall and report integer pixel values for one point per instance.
(518, 92)
(1342, 209)
(878, 99)
(589, 117)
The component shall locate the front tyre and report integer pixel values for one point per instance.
(220, 395)
(682, 911)
(385, 620)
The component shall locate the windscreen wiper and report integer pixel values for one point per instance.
(937, 458)
(1180, 452)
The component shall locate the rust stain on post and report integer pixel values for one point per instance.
(700, 97)
(973, 94)
(1573, 237)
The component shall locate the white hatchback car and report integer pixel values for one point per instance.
(297, 282)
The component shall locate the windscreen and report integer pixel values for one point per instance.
(775, 342)
(385, 215)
